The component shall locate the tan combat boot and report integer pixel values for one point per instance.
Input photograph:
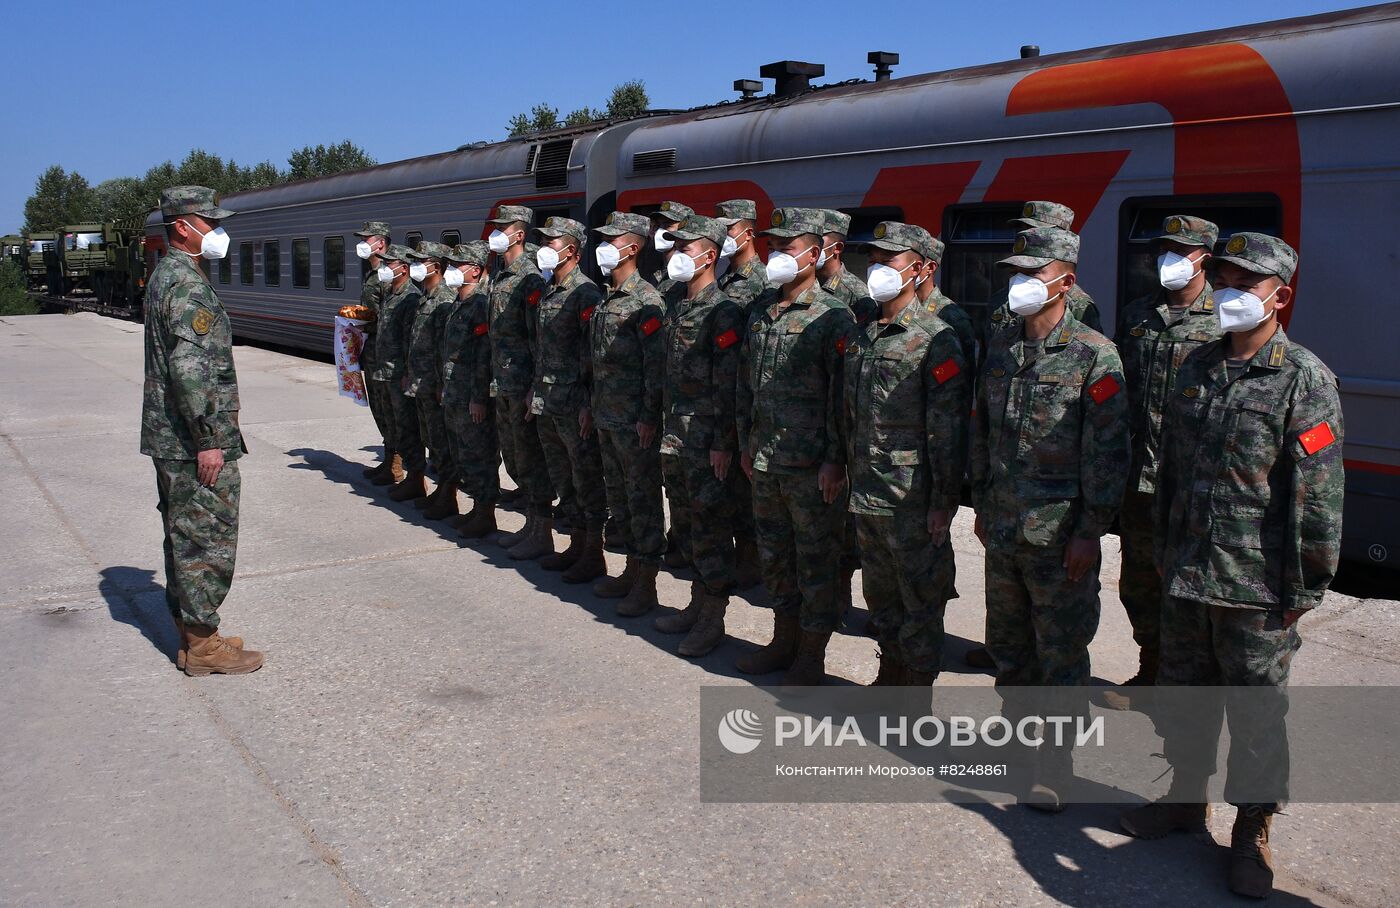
(1145, 677)
(708, 631)
(891, 671)
(1251, 859)
(480, 523)
(396, 468)
(562, 561)
(235, 642)
(511, 540)
(1184, 809)
(446, 505)
(619, 586)
(590, 564)
(539, 542)
(780, 651)
(747, 570)
(641, 598)
(682, 621)
(208, 653)
(410, 488)
(809, 666)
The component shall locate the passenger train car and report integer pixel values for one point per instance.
(1290, 127)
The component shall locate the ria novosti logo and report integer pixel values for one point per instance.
(740, 731)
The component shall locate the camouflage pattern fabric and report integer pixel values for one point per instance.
(408, 430)
(372, 293)
(200, 200)
(1039, 622)
(745, 283)
(201, 537)
(465, 353)
(800, 541)
(633, 478)
(515, 291)
(520, 444)
(854, 295)
(907, 583)
(1251, 482)
(707, 539)
(397, 314)
(958, 319)
(425, 379)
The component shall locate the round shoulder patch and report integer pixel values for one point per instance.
(1020, 245)
(777, 217)
(612, 217)
(1173, 225)
(1236, 245)
(203, 320)
(880, 230)
(1029, 210)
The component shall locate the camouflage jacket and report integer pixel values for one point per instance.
(1050, 437)
(789, 391)
(396, 315)
(515, 292)
(702, 361)
(372, 293)
(958, 319)
(628, 353)
(1249, 494)
(671, 292)
(908, 392)
(424, 368)
(1153, 346)
(854, 295)
(745, 283)
(1079, 303)
(559, 339)
(190, 403)
(465, 350)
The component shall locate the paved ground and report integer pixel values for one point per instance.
(435, 725)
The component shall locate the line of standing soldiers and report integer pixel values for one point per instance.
(806, 420)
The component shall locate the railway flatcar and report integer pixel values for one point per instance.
(1289, 127)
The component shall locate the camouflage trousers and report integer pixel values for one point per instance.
(407, 434)
(743, 506)
(1220, 647)
(704, 506)
(475, 454)
(522, 441)
(1039, 622)
(381, 407)
(800, 541)
(575, 470)
(201, 537)
(432, 428)
(1139, 585)
(632, 475)
(907, 584)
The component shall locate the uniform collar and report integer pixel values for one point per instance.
(630, 286)
(835, 282)
(521, 265)
(803, 301)
(1059, 335)
(1272, 354)
(904, 321)
(186, 261)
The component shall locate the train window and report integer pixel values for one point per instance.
(225, 270)
(301, 263)
(245, 263)
(413, 238)
(451, 237)
(272, 263)
(976, 237)
(333, 262)
(1141, 220)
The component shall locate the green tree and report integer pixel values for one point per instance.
(582, 115)
(13, 298)
(540, 118)
(122, 197)
(59, 198)
(628, 99)
(323, 160)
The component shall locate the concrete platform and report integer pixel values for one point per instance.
(436, 724)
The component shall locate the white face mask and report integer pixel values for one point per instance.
(783, 269)
(386, 274)
(362, 250)
(662, 244)
(732, 246)
(498, 242)
(1240, 310)
(681, 268)
(1028, 295)
(547, 259)
(823, 258)
(417, 271)
(608, 256)
(884, 282)
(1176, 271)
(212, 245)
(452, 277)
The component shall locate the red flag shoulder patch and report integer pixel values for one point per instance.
(841, 347)
(481, 329)
(727, 339)
(651, 326)
(1316, 438)
(586, 314)
(534, 298)
(1104, 388)
(946, 370)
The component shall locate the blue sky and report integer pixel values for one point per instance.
(252, 80)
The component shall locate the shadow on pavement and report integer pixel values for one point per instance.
(124, 589)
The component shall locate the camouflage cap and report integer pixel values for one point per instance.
(672, 212)
(473, 253)
(557, 226)
(1262, 254)
(396, 252)
(200, 200)
(836, 221)
(894, 236)
(1192, 231)
(790, 222)
(1045, 214)
(620, 222)
(509, 214)
(1039, 246)
(733, 211)
(698, 227)
(427, 250)
(373, 228)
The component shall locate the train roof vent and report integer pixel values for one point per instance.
(552, 164)
(662, 159)
(530, 158)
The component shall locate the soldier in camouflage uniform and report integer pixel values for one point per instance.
(697, 450)
(1080, 304)
(790, 434)
(396, 316)
(425, 377)
(628, 353)
(515, 292)
(1156, 334)
(1249, 524)
(908, 392)
(1049, 463)
(374, 237)
(560, 400)
(465, 354)
(189, 429)
(667, 217)
(952, 313)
